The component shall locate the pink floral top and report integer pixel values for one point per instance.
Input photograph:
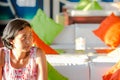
(29, 72)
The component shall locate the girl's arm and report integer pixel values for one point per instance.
(42, 65)
(2, 56)
(0, 73)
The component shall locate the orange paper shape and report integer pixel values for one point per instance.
(103, 51)
(113, 73)
(39, 43)
(109, 31)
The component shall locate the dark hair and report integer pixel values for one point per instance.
(12, 29)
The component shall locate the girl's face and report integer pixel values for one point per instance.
(23, 40)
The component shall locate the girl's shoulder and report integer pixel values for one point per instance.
(39, 52)
(40, 56)
(3, 49)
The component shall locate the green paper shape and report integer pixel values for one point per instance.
(82, 4)
(46, 28)
(94, 5)
(53, 74)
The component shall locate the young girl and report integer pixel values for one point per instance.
(19, 60)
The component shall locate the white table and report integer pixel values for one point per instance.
(81, 66)
(75, 67)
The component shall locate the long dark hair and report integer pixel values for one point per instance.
(12, 29)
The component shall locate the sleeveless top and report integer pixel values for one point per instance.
(28, 72)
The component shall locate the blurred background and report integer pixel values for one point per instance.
(26, 9)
